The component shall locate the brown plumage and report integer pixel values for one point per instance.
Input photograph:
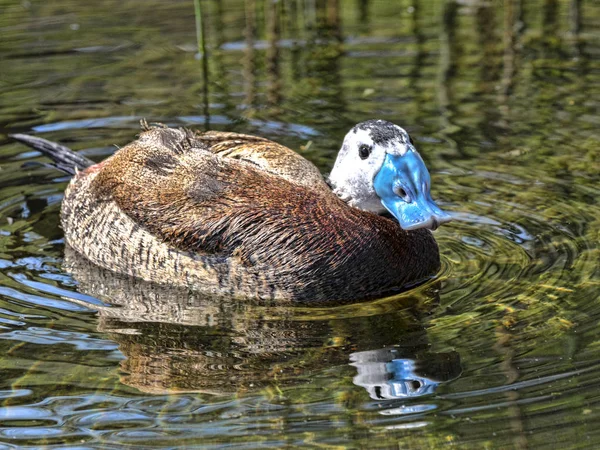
(237, 215)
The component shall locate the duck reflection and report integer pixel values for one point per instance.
(391, 373)
(175, 340)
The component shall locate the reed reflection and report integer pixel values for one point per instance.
(249, 54)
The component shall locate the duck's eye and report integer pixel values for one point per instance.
(364, 151)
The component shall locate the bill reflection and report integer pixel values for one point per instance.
(393, 373)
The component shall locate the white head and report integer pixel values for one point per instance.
(378, 169)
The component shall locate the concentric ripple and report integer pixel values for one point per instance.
(478, 339)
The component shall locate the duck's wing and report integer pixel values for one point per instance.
(265, 154)
(187, 194)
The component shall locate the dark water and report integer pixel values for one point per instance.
(502, 350)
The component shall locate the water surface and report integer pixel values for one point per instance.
(501, 350)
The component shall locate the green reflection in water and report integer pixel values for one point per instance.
(500, 351)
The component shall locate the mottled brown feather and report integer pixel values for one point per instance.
(267, 155)
(191, 192)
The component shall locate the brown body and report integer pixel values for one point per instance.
(236, 215)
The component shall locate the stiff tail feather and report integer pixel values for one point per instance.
(63, 158)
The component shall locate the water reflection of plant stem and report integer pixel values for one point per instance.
(415, 71)
(550, 18)
(201, 42)
(447, 65)
(310, 14)
(447, 68)
(221, 83)
(511, 372)
(576, 27)
(273, 71)
(363, 15)
(295, 33)
(490, 66)
(419, 62)
(512, 14)
(575, 17)
(199, 30)
(333, 19)
(249, 56)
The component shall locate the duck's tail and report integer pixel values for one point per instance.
(63, 158)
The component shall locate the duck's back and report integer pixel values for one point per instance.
(265, 154)
(237, 215)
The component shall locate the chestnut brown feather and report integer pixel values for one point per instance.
(275, 218)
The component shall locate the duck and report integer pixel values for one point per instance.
(242, 216)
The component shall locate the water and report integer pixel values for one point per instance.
(502, 350)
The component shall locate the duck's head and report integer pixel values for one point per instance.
(378, 169)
